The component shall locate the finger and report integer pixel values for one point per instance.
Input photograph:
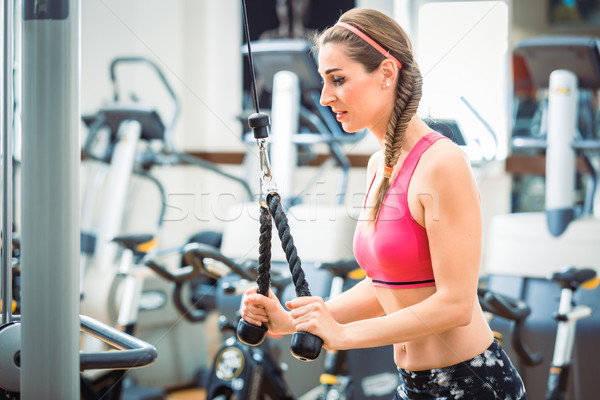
(308, 308)
(303, 315)
(256, 300)
(251, 320)
(309, 326)
(304, 300)
(299, 312)
(256, 311)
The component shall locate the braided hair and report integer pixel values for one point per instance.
(389, 35)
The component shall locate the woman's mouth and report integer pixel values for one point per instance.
(340, 115)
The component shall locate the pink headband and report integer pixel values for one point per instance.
(367, 39)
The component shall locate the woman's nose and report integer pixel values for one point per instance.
(326, 97)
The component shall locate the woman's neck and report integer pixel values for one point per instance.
(415, 130)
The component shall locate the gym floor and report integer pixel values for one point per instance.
(187, 394)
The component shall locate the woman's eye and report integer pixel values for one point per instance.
(338, 80)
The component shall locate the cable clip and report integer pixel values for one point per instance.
(267, 183)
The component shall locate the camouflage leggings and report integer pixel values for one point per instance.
(489, 376)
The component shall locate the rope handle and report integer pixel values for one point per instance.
(304, 346)
(248, 333)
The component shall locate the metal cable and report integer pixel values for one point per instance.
(276, 212)
(250, 61)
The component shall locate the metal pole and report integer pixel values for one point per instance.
(285, 115)
(560, 155)
(50, 200)
(7, 119)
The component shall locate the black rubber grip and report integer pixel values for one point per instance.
(306, 346)
(251, 334)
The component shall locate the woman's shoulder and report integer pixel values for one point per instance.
(444, 152)
(374, 161)
(446, 160)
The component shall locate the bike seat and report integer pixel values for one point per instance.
(138, 243)
(572, 278)
(346, 268)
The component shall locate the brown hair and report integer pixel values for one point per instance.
(389, 35)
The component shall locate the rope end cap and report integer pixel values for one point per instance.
(260, 122)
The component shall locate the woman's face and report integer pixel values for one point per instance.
(357, 97)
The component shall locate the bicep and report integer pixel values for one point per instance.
(453, 223)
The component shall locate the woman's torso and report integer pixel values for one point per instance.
(435, 349)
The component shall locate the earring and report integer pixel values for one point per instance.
(385, 85)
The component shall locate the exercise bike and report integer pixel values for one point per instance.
(240, 371)
(567, 316)
(132, 352)
(129, 144)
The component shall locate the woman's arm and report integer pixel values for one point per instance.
(452, 218)
(358, 302)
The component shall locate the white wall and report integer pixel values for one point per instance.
(195, 43)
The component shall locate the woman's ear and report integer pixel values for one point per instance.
(389, 71)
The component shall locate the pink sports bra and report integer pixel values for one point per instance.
(395, 254)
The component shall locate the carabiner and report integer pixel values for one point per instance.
(265, 164)
(267, 183)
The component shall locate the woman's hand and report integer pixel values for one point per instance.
(310, 314)
(262, 310)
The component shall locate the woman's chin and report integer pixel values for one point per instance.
(349, 128)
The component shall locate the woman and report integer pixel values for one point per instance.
(419, 235)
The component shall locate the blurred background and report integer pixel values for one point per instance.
(179, 68)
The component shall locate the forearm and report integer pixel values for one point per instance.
(433, 316)
(357, 303)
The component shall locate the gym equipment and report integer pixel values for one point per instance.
(310, 224)
(50, 200)
(569, 67)
(7, 151)
(239, 370)
(525, 249)
(202, 261)
(133, 353)
(560, 181)
(336, 380)
(299, 120)
(304, 346)
(29, 362)
(127, 125)
(260, 372)
(567, 316)
(125, 141)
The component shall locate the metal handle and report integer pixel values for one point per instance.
(135, 353)
(505, 307)
(514, 310)
(194, 255)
